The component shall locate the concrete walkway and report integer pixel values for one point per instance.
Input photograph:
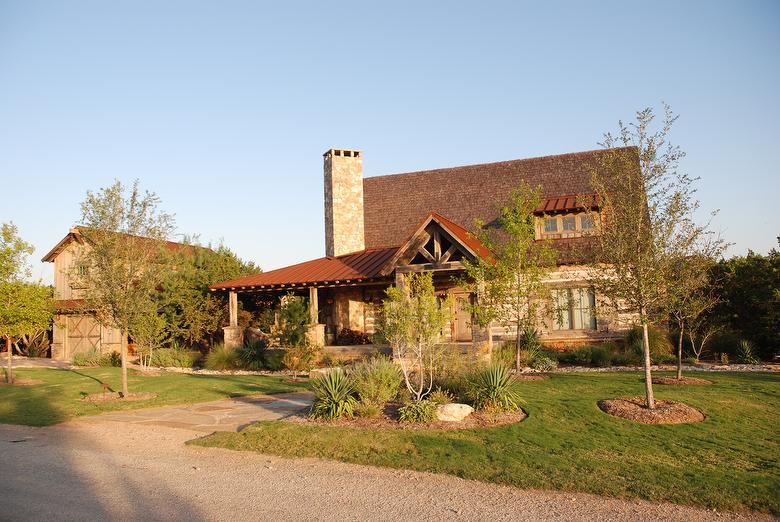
(223, 415)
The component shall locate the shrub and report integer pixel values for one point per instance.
(691, 360)
(544, 364)
(601, 356)
(108, 360)
(377, 380)
(724, 342)
(664, 359)
(583, 355)
(347, 337)
(745, 353)
(367, 409)
(300, 358)
(626, 359)
(419, 411)
(252, 355)
(272, 360)
(334, 396)
(504, 353)
(568, 357)
(724, 358)
(439, 396)
(222, 358)
(175, 357)
(659, 342)
(88, 358)
(492, 388)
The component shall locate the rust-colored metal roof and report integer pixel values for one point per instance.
(357, 266)
(567, 204)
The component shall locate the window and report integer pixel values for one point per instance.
(570, 223)
(82, 270)
(551, 225)
(574, 309)
(586, 222)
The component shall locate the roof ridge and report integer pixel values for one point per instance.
(490, 163)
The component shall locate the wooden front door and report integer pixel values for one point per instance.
(462, 328)
(83, 334)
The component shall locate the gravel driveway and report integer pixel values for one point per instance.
(128, 471)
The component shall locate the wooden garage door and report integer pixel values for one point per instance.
(83, 334)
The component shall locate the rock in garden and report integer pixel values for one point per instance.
(453, 412)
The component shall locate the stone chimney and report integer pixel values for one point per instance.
(343, 202)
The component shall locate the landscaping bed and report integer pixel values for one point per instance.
(390, 418)
(681, 381)
(665, 412)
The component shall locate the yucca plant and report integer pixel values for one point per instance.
(745, 354)
(492, 388)
(334, 396)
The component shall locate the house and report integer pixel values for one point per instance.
(76, 329)
(380, 227)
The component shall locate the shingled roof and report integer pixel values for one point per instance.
(395, 203)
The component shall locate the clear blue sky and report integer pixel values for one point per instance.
(225, 108)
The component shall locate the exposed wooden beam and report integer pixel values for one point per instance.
(448, 254)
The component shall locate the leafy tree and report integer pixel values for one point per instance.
(25, 308)
(413, 319)
(123, 233)
(193, 313)
(645, 223)
(748, 291)
(509, 286)
(691, 295)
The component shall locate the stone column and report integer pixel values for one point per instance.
(316, 333)
(233, 334)
(482, 337)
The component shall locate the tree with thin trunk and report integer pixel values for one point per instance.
(120, 263)
(413, 319)
(691, 292)
(25, 307)
(509, 286)
(645, 223)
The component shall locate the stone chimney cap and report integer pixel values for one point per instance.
(349, 153)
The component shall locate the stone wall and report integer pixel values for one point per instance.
(344, 231)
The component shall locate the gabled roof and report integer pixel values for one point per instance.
(394, 204)
(466, 239)
(75, 235)
(348, 268)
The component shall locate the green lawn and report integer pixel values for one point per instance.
(58, 399)
(729, 461)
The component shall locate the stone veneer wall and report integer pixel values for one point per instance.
(344, 229)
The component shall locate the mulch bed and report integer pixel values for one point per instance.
(684, 380)
(22, 382)
(665, 412)
(108, 397)
(389, 419)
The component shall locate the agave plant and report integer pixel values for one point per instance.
(493, 388)
(334, 396)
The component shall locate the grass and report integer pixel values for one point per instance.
(729, 461)
(58, 398)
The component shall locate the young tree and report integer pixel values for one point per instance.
(691, 295)
(509, 286)
(121, 265)
(413, 320)
(25, 308)
(645, 223)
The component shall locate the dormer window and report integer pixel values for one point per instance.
(586, 222)
(550, 225)
(569, 223)
(565, 225)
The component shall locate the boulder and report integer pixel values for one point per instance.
(453, 412)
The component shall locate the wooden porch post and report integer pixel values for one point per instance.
(233, 306)
(314, 312)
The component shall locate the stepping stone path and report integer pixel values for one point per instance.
(223, 415)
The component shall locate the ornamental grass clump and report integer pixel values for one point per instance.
(439, 396)
(376, 381)
(222, 358)
(418, 411)
(334, 396)
(492, 388)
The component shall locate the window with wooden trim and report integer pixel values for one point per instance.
(574, 309)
